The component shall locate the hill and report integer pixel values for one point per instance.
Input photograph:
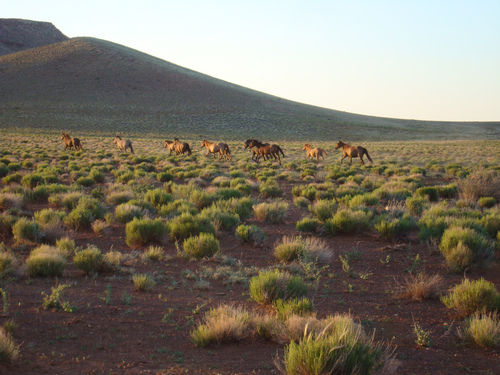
(91, 85)
(18, 35)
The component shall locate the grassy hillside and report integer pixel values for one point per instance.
(86, 85)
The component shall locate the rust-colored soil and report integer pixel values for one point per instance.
(151, 333)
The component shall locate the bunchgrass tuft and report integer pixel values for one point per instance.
(482, 329)
(269, 286)
(470, 297)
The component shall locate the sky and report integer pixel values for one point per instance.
(425, 60)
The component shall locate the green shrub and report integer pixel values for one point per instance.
(158, 197)
(143, 282)
(85, 181)
(177, 207)
(274, 212)
(342, 349)
(472, 296)
(270, 190)
(491, 223)
(286, 308)
(483, 249)
(49, 217)
(416, 205)
(368, 199)
(25, 231)
(31, 180)
(186, 225)
(7, 263)
(86, 211)
(220, 218)
(308, 224)
(125, 212)
(269, 286)
(348, 221)
(119, 197)
(391, 228)
(482, 329)
(4, 170)
(228, 193)
(164, 177)
(89, 260)
(15, 177)
(430, 192)
(142, 231)
(46, 261)
(66, 245)
(205, 245)
(323, 209)
(487, 202)
(250, 233)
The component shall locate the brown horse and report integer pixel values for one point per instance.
(217, 148)
(171, 146)
(353, 152)
(181, 147)
(263, 150)
(314, 152)
(123, 144)
(255, 148)
(71, 142)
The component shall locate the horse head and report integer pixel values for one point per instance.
(339, 144)
(306, 146)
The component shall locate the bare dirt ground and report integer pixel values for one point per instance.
(118, 330)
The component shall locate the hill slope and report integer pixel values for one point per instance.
(87, 84)
(18, 35)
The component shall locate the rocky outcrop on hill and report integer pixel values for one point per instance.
(18, 35)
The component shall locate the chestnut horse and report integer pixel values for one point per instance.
(71, 142)
(353, 152)
(314, 152)
(217, 148)
(123, 145)
(171, 146)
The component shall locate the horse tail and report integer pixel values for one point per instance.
(188, 149)
(280, 150)
(131, 148)
(368, 156)
(324, 152)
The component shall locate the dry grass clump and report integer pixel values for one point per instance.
(8, 350)
(482, 329)
(222, 324)
(423, 286)
(480, 183)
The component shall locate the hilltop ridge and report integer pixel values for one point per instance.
(19, 35)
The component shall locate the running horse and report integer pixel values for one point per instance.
(263, 150)
(314, 152)
(123, 144)
(182, 147)
(353, 152)
(217, 148)
(71, 142)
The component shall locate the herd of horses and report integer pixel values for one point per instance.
(264, 151)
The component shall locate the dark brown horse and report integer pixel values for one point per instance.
(181, 147)
(254, 149)
(353, 152)
(71, 142)
(263, 150)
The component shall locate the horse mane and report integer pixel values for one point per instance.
(117, 136)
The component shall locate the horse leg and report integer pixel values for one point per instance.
(343, 157)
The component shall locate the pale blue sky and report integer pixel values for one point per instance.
(425, 59)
